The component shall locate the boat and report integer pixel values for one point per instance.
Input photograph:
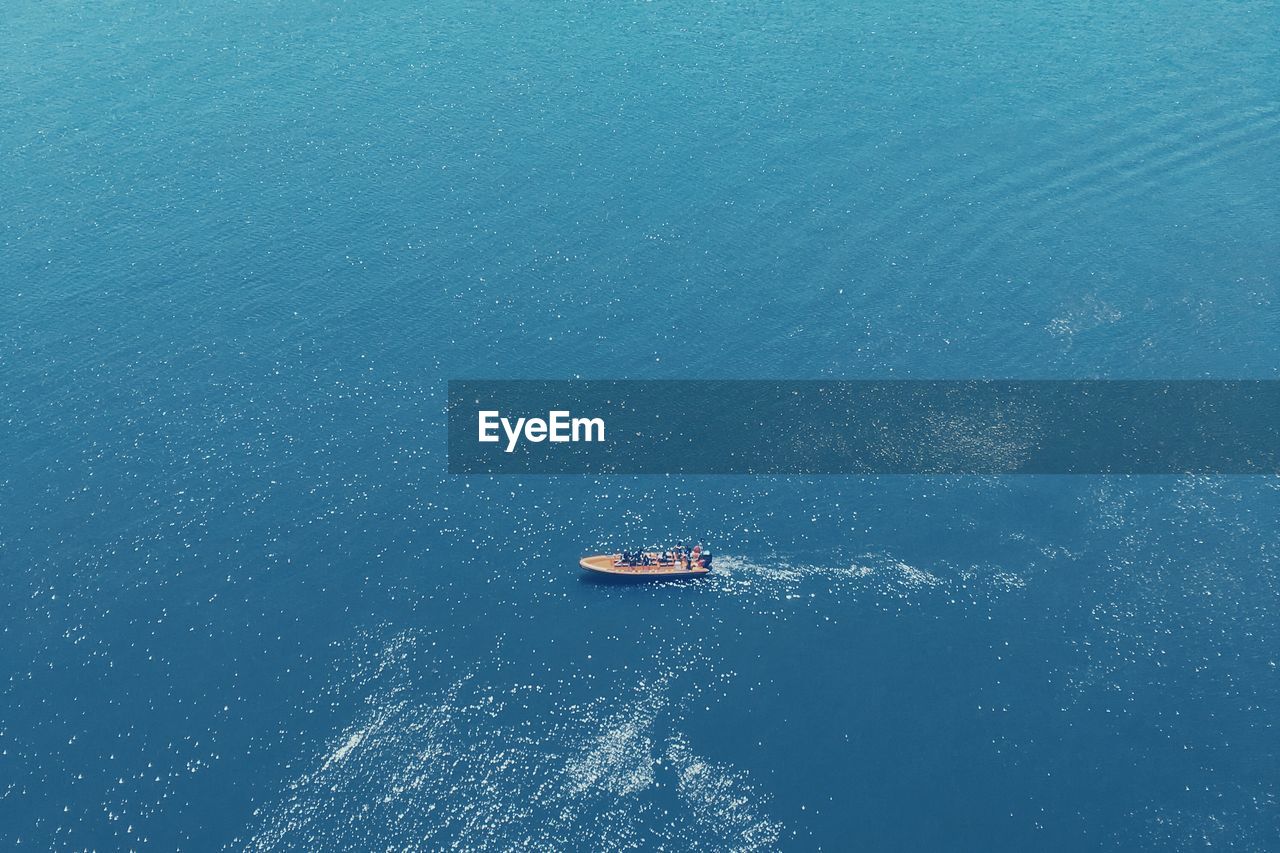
(609, 564)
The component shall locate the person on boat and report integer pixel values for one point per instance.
(695, 557)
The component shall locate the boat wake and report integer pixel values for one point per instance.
(872, 574)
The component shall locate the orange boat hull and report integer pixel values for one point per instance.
(603, 563)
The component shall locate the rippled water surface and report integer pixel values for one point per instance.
(241, 604)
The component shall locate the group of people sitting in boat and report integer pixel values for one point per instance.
(681, 555)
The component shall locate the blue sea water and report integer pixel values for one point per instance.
(245, 244)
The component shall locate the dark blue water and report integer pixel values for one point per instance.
(244, 245)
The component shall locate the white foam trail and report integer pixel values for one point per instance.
(875, 574)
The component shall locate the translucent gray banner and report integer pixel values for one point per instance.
(863, 427)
